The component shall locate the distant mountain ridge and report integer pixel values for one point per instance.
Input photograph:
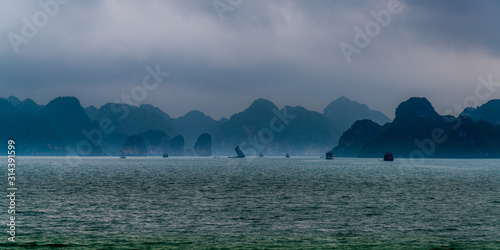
(419, 131)
(489, 112)
(133, 120)
(192, 125)
(263, 128)
(147, 130)
(33, 134)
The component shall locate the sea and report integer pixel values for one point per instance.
(253, 203)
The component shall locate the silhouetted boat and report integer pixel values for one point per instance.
(165, 155)
(388, 157)
(261, 156)
(329, 155)
(287, 155)
(123, 157)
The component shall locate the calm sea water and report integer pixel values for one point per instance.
(157, 203)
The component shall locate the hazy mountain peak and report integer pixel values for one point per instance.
(353, 140)
(262, 102)
(416, 107)
(133, 120)
(341, 102)
(14, 100)
(195, 113)
(67, 117)
(192, 124)
(489, 112)
(344, 99)
(343, 112)
(261, 105)
(65, 100)
(29, 106)
(30, 101)
(156, 110)
(194, 116)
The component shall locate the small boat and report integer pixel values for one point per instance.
(165, 155)
(388, 156)
(287, 155)
(329, 155)
(261, 156)
(123, 157)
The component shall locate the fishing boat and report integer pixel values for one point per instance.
(329, 155)
(388, 156)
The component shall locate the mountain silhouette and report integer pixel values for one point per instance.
(353, 140)
(33, 134)
(67, 117)
(243, 125)
(12, 100)
(343, 113)
(192, 125)
(92, 112)
(489, 112)
(203, 145)
(263, 128)
(419, 131)
(29, 106)
(132, 120)
(156, 110)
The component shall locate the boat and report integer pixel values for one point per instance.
(388, 156)
(261, 156)
(165, 155)
(123, 157)
(287, 155)
(329, 155)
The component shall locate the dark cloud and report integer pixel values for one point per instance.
(286, 51)
(461, 24)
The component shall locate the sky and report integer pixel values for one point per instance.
(223, 54)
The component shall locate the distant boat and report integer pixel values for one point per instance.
(238, 152)
(123, 157)
(329, 155)
(261, 156)
(287, 155)
(165, 155)
(388, 156)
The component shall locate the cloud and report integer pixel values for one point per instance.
(287, 51)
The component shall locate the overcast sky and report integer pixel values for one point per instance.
(286, 51)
